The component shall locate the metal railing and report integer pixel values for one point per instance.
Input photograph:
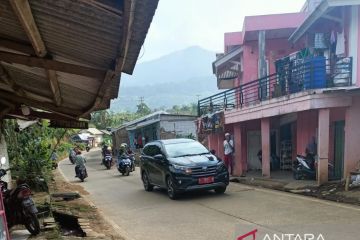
(292, 77)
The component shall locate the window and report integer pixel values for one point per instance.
(185, 149)
(152, 150)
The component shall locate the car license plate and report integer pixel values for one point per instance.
(206, 180)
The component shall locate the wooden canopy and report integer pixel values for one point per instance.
(64, 58)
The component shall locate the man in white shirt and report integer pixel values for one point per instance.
(228, 152)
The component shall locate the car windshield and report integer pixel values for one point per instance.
(185, 149)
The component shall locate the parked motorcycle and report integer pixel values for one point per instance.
(107, 161)
(81, 173)
(305, 168)
(19, 206)
(124, 166)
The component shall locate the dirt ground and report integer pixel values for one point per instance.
(79, 208)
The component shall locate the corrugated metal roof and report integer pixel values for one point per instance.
(9, 23)
(84, 33)
(72, 29)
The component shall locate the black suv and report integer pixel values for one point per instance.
(180, 165)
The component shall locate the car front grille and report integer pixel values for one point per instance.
(203, 171)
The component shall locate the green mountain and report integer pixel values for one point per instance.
(175, 79)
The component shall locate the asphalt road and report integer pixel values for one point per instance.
(152, 215)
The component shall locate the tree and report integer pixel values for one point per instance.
(143, 109)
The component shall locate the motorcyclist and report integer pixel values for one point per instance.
(129, 154)
(103, 151)
(79, 162)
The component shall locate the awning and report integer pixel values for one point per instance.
(227, 68)
(226, 58)
(319, 12)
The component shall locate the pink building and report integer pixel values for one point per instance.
(291, 79)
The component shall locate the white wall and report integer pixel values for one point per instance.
(180, 127)
(353, 40)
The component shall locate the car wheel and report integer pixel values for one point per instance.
(220, 190)
(147, 185)
(171, 190)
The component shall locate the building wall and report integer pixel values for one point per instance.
(275, 49)
(307, 124)
(352, 133)
(232, 39)
(353, 39)
(182, 128)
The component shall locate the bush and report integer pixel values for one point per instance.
(30, 150)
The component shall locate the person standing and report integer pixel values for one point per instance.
(228, 152)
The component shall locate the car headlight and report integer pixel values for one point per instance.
(220, 165)
(180, 168)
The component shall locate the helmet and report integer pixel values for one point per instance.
(124, 146)
(109, 148)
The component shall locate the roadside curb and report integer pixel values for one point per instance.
(294, 195)
(116, 227)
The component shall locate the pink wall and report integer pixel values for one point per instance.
(352, 133)
(232, 38)
(307, 123)
(215, 142)
(275, 49)
(273, 21)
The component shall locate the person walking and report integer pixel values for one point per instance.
(228, 152)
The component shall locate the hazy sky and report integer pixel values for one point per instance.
(182, 23)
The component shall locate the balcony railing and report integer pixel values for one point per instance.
(293, 77)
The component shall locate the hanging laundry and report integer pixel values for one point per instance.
(319, 41)
(332, 37)
(340, 45)
(332, 43)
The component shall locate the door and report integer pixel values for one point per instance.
(148, 161)
(254, 146)
(339, 138)
(158, 166)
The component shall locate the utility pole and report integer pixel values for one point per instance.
(141, 99)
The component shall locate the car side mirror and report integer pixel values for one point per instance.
(159, 157)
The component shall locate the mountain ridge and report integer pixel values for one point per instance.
(173, 79)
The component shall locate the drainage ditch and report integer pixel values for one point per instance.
(69, 225)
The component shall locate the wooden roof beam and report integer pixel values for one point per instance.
(23, 11)
(54, 86)
(19, 47)
(24, 14)
(52, 65)
(20, 99)
(101, 93)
